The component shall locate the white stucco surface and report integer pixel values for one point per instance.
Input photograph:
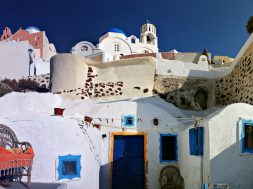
(30, 116)
(70, 72)
(115, 43)
(180, 68)
(14, 59)
(227, 164)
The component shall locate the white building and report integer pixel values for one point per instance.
(146, 125)
(27, 52)
(115, 43)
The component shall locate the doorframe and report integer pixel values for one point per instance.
(145, 136)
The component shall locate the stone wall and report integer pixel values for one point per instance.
(238, 85)
(183, 92)
(42, 80)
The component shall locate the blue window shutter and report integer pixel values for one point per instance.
(200, 131)
(192, 141)
(196, 141)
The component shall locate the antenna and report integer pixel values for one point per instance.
(196, 121)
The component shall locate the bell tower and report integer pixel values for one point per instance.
(148, 34)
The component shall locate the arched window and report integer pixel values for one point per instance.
(84, 48)
(133, 40)
(37, 38)
(148, 38)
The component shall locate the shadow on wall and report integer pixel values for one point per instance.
(232, 167)
(16, 185)
(104, 176)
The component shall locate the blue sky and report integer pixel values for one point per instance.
(186, 25)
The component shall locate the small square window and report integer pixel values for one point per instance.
(69, 167)
(128, 120)
(168, 148)
(116, 47)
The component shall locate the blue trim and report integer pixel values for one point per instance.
(245, 122)
(125, 120)
(77, 159)
(160, 156)
(205, 186)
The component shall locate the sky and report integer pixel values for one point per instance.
(185, 25)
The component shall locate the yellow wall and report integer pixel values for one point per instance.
(225, 58)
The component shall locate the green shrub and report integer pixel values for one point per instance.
(250, 25)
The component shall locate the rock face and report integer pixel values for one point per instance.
(238, 85)
(185, 93)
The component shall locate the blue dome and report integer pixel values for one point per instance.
(114, 30)
(32, 27)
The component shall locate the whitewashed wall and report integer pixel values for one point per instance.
(14, 59)
(226, 162)
(70, 72)
(180, 68)
(31, 118)
(29, 115)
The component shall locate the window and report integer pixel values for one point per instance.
(133, 40)
(84, 48)
(37, 38)
(69, 167)
(168, 148)
(247, 136)
(196, 141)
(248, 144)
(116, 47)
(128, 120)
(148, 38)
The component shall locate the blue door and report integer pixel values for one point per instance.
(128, 162)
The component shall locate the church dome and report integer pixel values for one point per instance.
(114, 30)
(32, 29)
